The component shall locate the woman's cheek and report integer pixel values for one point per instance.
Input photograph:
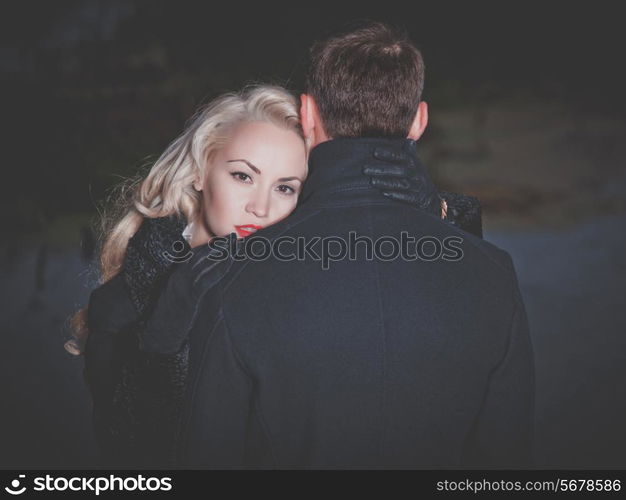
(217, 214)
(287, 206)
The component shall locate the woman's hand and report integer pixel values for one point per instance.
(401, 176)
(151, 252)
(178, 304)
(464, 212)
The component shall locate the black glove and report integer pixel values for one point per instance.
(401, 176)
(151, 253)
(176, 308)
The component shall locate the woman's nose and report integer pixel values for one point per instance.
(258, 204)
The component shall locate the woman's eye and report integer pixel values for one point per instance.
(241, 176)
(283, 188)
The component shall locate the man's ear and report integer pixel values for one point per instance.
(306, 115)
(419, 122)
(312, 126)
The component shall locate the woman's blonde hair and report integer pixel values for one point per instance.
(168, 188)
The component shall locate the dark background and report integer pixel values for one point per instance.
(527, 112)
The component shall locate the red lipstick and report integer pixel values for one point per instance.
(247, 229)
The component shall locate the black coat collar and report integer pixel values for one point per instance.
(336, 178)
(335, 169)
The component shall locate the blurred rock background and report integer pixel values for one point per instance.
(527, 112)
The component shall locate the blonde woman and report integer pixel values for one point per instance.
(237, 168)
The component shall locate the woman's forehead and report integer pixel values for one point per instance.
(271, 149)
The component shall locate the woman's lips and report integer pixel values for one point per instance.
(247, 229)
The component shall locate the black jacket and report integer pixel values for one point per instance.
(373, 363)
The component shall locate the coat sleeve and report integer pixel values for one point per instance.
(221, 404)
(464, 212)
(503, 432)
(110, 312)
(111, 318)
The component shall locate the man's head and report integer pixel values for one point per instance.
(365, 83)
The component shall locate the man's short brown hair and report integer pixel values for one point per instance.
(366, 83)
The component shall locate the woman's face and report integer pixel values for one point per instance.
(254, 181)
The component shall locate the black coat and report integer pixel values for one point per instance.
(372, 363)
(136, 393)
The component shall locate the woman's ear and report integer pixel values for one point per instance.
(419, 122)
(198, 182)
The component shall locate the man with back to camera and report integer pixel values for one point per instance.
(374, 361)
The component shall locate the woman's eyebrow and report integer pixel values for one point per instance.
(282, 179)
(247, 163)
